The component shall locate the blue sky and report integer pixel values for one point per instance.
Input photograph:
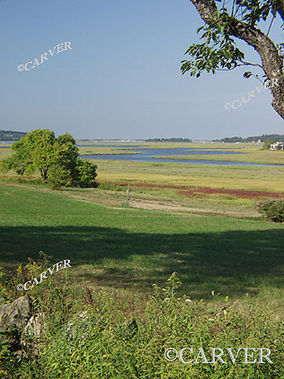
(122, 77)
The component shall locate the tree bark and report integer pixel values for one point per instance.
(43, 174)
(280, 8)
(270, 58)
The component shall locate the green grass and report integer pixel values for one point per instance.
(127, 247)
(260, 156)
(117, 253)
(5, 153)
(234, 177)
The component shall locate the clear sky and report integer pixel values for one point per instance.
(122, 77)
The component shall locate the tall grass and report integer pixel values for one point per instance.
(98, 335)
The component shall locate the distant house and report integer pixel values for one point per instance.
(277, 146)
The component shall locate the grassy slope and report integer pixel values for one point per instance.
(135, 248)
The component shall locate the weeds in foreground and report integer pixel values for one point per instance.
(95, 335)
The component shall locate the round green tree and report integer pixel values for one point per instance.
(56, 159)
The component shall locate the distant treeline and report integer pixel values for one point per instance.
(263, 138)
(9, 135)
(168, 140)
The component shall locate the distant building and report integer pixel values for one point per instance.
(277, 146)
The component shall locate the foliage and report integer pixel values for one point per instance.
(168, 140)
(265, 137)
(59, 176)
(85, 173)
(272, 209)
(108, 338)
(56, 159)
(220, 51)
(267, 144)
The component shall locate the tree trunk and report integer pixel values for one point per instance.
(43, 174)
(270, 58)
(279, 7)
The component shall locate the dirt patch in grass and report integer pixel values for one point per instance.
(174, 207)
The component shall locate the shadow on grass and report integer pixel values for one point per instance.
(232, 262)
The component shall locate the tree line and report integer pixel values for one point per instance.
(9, 135)
(168, 140)
(263, 138)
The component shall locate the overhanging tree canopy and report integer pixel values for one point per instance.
(240, 19)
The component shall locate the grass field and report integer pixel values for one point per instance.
(229, 260)
(136, 248)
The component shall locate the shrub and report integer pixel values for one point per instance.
(272, 209)
(85, 173)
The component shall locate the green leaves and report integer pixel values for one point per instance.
(85, 173)
(211, 58)
(219, 50)
(56, 159)
(253, 11)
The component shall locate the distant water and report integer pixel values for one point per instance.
(146, 155)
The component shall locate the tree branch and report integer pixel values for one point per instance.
(271, 60)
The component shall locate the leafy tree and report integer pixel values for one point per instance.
(239, 19)
(85, 173)
(40, 148)
(56, 159)
(59, 176)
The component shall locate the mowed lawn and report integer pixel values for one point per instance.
(134, 248)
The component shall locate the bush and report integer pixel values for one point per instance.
(85, 173)
(272, 210)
